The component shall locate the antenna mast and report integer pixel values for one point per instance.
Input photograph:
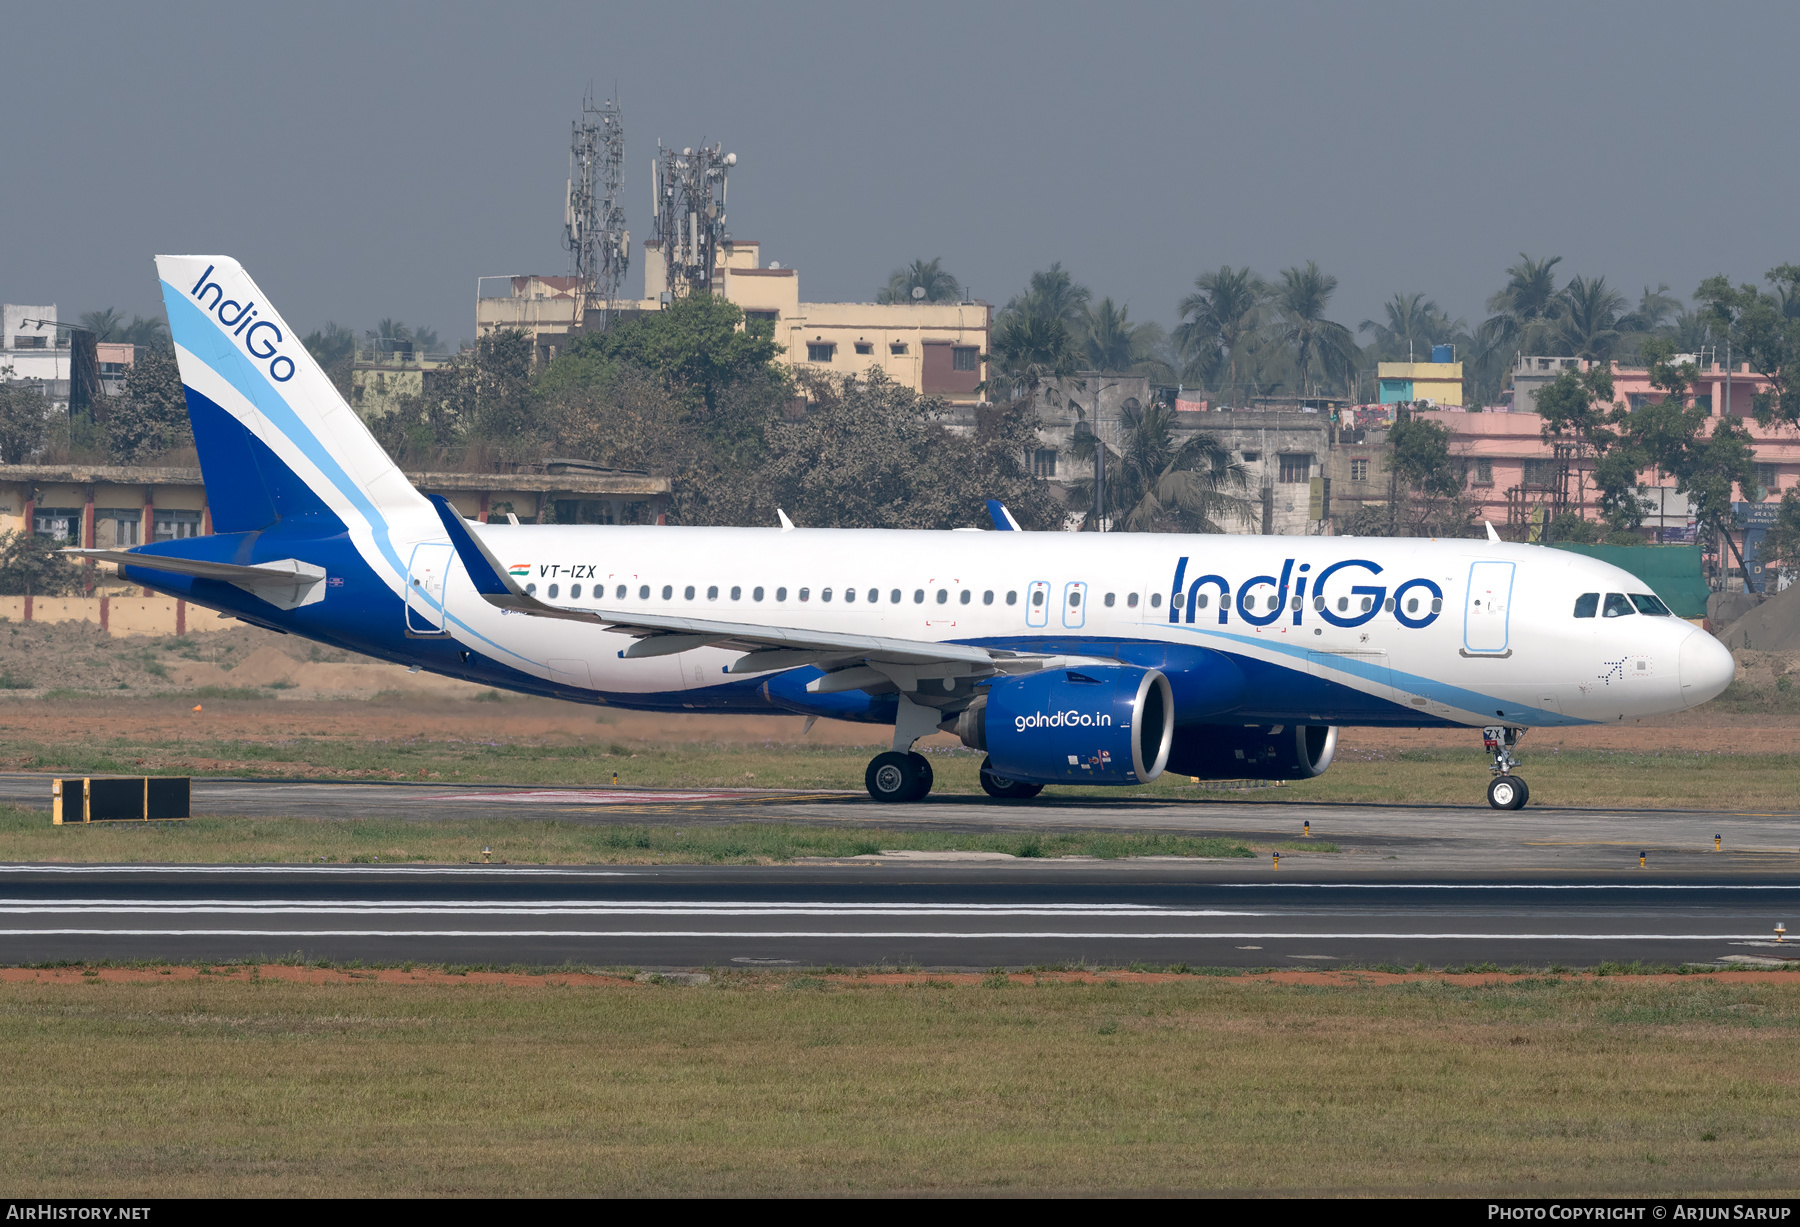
(594, 217)
(689, 199)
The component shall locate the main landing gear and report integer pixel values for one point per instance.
(1002, 789)
(897, 777)
(1505, 790)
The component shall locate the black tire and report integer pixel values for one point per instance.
(1506, 792)
(926, 777)
(892, 778)
(1002, 789)
(1524, 792)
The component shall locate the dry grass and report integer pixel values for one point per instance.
(769, 1085)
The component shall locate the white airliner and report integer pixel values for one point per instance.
(1066, 658)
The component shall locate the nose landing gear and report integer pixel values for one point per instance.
(1505, 790)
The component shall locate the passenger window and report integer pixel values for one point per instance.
(1156, 600)
(620, 594)
(781, 594)
(1587, 604)
(1343, 603)
(1201, 600)
(894, 597)
(806, 594)
(1176, 600)
(1650, 605)
(574, 592)
(875, 596)
(737, 593)
(918, 596)
(553, 592)
(1319, 603)
(1388, 605)
(1037, 599)
(688, 592)
(1075, 600)
(1109, 600)
(1437, 604)
(1297, 603)
(668, 592)
(644, 592)
(1368, 604)
(1012, 598)
(712, 592)
(756, 594)
(1412, 606)
(1616, 606)
(849, 594)
(967, 595)
(943, 596)
(987, 598)
(824, 595)
(1131, 600)
(530, 589)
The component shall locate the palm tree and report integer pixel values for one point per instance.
(927, 275)
(1525, 310)
(1029, 348)
(1112, 339)
(1654, 310)
(391, 336)
(149, 333)
(1300, 302)
(1590, 316)
(1053, 294)
(102, 323)
(1223, 310)
(1157, 485)
(1414, 324)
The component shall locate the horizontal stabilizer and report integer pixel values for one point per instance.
(287, 582)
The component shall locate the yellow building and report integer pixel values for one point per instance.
(938, 349)
(379, 378)
(1441, 383)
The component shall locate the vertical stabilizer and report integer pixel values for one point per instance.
(276, 441)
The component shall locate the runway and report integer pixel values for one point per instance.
(1438, 885)
(907, 915)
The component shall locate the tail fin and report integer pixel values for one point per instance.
(275, 439)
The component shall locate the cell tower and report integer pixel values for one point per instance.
(688, 207)
(594, 216)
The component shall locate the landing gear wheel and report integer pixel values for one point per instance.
(895, 777)
(1003, 789)
(922, 766)
(1507, 792)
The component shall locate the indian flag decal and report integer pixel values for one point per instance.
(520, 568)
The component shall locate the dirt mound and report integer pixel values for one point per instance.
(1724, 608)
(1773, 626)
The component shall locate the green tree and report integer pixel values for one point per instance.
(1029, 348)
(927, 275)
(1656, 311)
(1587, 326)
(1224, 310)
(1428, 483)
(1577, 407)
(24, 419)
(103, 324)
(1413, 324)
(1526, 310)
(149, 416)
(1762, 328)
(1113, 342)
(1707, 456)
(34, 566)
(870, 453)
(1317, 344)
(330, 345)
(1156, 484)
(1781, 546)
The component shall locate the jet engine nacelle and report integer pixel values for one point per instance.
(1254, 752)
(1100, 724)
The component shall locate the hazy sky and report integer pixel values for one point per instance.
(369, 160)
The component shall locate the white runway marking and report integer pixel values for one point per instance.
(516, 871)
(560, 797)
(578, 907)
(921, 935)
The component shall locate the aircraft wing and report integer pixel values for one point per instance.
(767, 647)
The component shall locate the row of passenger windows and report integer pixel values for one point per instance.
(895, 596)
(1618, 605)
(1204, 599)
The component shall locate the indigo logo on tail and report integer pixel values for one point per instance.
(259, 337)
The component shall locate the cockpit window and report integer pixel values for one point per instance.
(1650, 605)
(1587, 604)
(1617, 606)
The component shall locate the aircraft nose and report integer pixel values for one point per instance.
(1705, 668)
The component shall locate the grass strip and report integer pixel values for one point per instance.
(241, 1085)
(1621, 779)
(26, 835)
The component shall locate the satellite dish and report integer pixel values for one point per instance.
(918, 292)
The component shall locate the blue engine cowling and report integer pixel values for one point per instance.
(1252, 752)
(1100, 724)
